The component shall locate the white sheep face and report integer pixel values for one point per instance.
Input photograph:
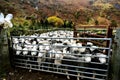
(25, 52)
(88, 57)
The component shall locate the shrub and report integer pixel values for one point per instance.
(113, 23)
(77, 14)
(55, 21)
(68, 24)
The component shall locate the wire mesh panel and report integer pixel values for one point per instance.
(59, 52)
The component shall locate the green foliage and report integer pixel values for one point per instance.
(18, 30)
(96, 22)
(25, 27)
(113, 23)
(88, 19)
(77, 14)
(68, 24)
(21, 21)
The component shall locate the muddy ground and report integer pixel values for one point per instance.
(24, 74)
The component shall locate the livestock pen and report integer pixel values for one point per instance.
(58, 51)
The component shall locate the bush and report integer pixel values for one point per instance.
(96, 22)
(68, 24)
(113, 23)
(77, 14)
(55, 21)
(18, 30)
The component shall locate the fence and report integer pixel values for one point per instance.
(53, 54)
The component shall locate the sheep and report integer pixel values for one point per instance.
(57, 46)
(18, 49)
(102, 57)
(33, 49)
(41, 54)
(70, 62)
(65, 61)
(27, 41)
(58, 52)
(85, 54)
(66, 51)
(33, 52)
(21, 40)
(95, 57)
(15, 40)
(40, 59)
(25, 51)
(49, 58)
(77, 57)
(86, 59)
(56, 57)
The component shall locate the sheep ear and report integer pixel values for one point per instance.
(1, 18)
(9, 17)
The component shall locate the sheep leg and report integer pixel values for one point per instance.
(68, 77)
(78, 77)
(93, 74)
(39, 62)
(30, 68)
(39, 65)
(27, 63)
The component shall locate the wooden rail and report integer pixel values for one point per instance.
(84, 27)
(92, 26)
(93, 35)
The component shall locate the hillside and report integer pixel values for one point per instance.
(79, 11)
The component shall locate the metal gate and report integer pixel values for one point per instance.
(62, 57)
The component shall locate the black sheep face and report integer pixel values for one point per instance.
(96, 51)
(87, 51)
(76, 53)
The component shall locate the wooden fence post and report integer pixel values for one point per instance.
(4, 56)
(116, 57)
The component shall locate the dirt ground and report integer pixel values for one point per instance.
(24, 74)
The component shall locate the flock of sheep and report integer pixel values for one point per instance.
(60, 48)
